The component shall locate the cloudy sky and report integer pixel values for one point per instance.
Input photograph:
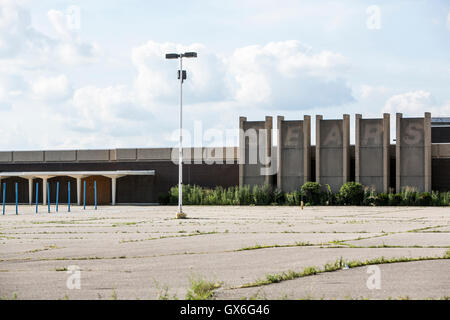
(92, 74)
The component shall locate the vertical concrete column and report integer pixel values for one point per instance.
(44, 190)
(78, 190)
(242, 152)
(398, 122)
(30, 190)
(346, 148)
(318, 119)
(427, 146)
(113, 190)
(357, 146)
(306, 148)
(386, 151)
(279, 153)
(268, 127)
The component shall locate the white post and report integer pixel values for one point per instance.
(78, 190)
(113, 190)
(30, 190)
(180, 151)
(44, 191)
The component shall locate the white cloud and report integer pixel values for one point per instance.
(52, 88)
(415, 103)
(156, 80)
(280, 74)
(448, 21)
(286, 75)
(21, 41)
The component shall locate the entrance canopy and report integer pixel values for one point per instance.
(77, 174)
(44, 175)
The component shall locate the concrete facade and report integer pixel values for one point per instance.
(414, 161)
(372, 141)
(293, 153)
(413, 152)
(255, 151)
(332, 152)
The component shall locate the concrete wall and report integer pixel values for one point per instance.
(208, 155)
(294, 153)
(413, 153)
(255, 147)
(372, 143)
(332, 152)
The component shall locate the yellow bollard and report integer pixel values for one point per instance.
(301, 204)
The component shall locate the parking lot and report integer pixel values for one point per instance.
(143, 252)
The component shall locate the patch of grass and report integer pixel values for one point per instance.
(201, 289)
(13, 297)
(258, 246)
(114, 295)
(61, 269)
(196, 233)
(163, 292)
(337, 265)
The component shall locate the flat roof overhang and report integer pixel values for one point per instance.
(77, 174)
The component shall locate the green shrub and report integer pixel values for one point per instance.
(164, 198)
(278, 196)
(262, 195)
(293, 198)
(435, 198)
(244, 195)
(173, 195)
(328, 198)
(395, 199)
(351, 193)
(382, 199)
(424, 199)
(444, 199)
(409, 196)
(369, 198)
(312, 192)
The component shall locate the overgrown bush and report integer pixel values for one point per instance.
(293, 198)
(311, 192)
(395, 199)
(278, 196)
(424, 199)
(351, 193)
(370, 197)
(262, 195)
(382, 199)
(409, 196)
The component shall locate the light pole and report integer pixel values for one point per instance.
(182, 77)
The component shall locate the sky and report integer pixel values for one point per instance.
(92, 75)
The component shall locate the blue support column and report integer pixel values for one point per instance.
(48, 196)
(84, 195)
(95, 190)
(37, 196)
(68, 196)
(17, 200)
(4, 194)
(57, 195)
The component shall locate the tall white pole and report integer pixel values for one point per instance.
(180, 151)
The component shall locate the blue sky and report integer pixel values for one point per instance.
(98, 79)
